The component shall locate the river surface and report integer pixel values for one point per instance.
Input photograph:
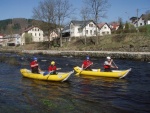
(78, 94)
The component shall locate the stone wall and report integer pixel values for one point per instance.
(143, 56)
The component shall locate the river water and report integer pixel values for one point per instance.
(78, 94)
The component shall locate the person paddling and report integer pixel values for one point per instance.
(86, 65)
(35, 66)
(108, 64)
(52, 68)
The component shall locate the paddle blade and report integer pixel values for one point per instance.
(46, 73)
(77, 74)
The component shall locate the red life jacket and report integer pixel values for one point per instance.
(52, 68)
(33, 64)
(86, 63)
(106, 66)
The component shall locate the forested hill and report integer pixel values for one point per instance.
(16, 25)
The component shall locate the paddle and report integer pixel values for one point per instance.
(84, 69)
(115, 65)
(49, 72)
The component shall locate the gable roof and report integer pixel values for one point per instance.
(82, 23)
(29, 28)
(100, 25)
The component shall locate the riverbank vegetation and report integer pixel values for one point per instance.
(130, 42)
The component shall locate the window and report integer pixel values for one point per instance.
(39, 34)
(94, 32)
(79, 30)
(86, 31)
(90, 25)
(35, 34)
(91, 32)
(103, 33)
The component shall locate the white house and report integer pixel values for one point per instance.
(1, 37)
(11, 40)
(104, 29)
(35, 32)
(16, 40)
(83, 28)
(140, 21)
(1, 40)
(52, 35)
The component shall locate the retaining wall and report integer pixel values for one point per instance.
(143, 56)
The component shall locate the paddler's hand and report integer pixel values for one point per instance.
(116, 67)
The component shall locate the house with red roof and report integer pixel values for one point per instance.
(114, 26)
(104, 29)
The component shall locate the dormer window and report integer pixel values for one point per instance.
(90, 25)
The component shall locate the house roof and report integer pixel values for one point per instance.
(66, 29)
(29, 28)
(12, 36)
(114, 25)
(82, 23)
(1, 35)
(100, 25)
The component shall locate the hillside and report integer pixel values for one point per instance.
(16, 25)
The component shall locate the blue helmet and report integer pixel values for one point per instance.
(34, 58)
(87, 57)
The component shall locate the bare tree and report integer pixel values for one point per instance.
(97, 10)
(46, 13)
(54, 12)
(63, 10)
(85, 16)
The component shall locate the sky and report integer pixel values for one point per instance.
(124, 9)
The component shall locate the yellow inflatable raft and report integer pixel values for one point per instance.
(61, 76)
(98, 72)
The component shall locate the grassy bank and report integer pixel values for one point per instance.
(123, 42)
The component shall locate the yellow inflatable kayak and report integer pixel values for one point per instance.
(98, 72)
(61, 76)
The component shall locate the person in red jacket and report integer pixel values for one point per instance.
(86, 65)
(108, 64)
(52, 68)
(34, 66)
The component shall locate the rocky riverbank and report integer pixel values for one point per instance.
(143, 56)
